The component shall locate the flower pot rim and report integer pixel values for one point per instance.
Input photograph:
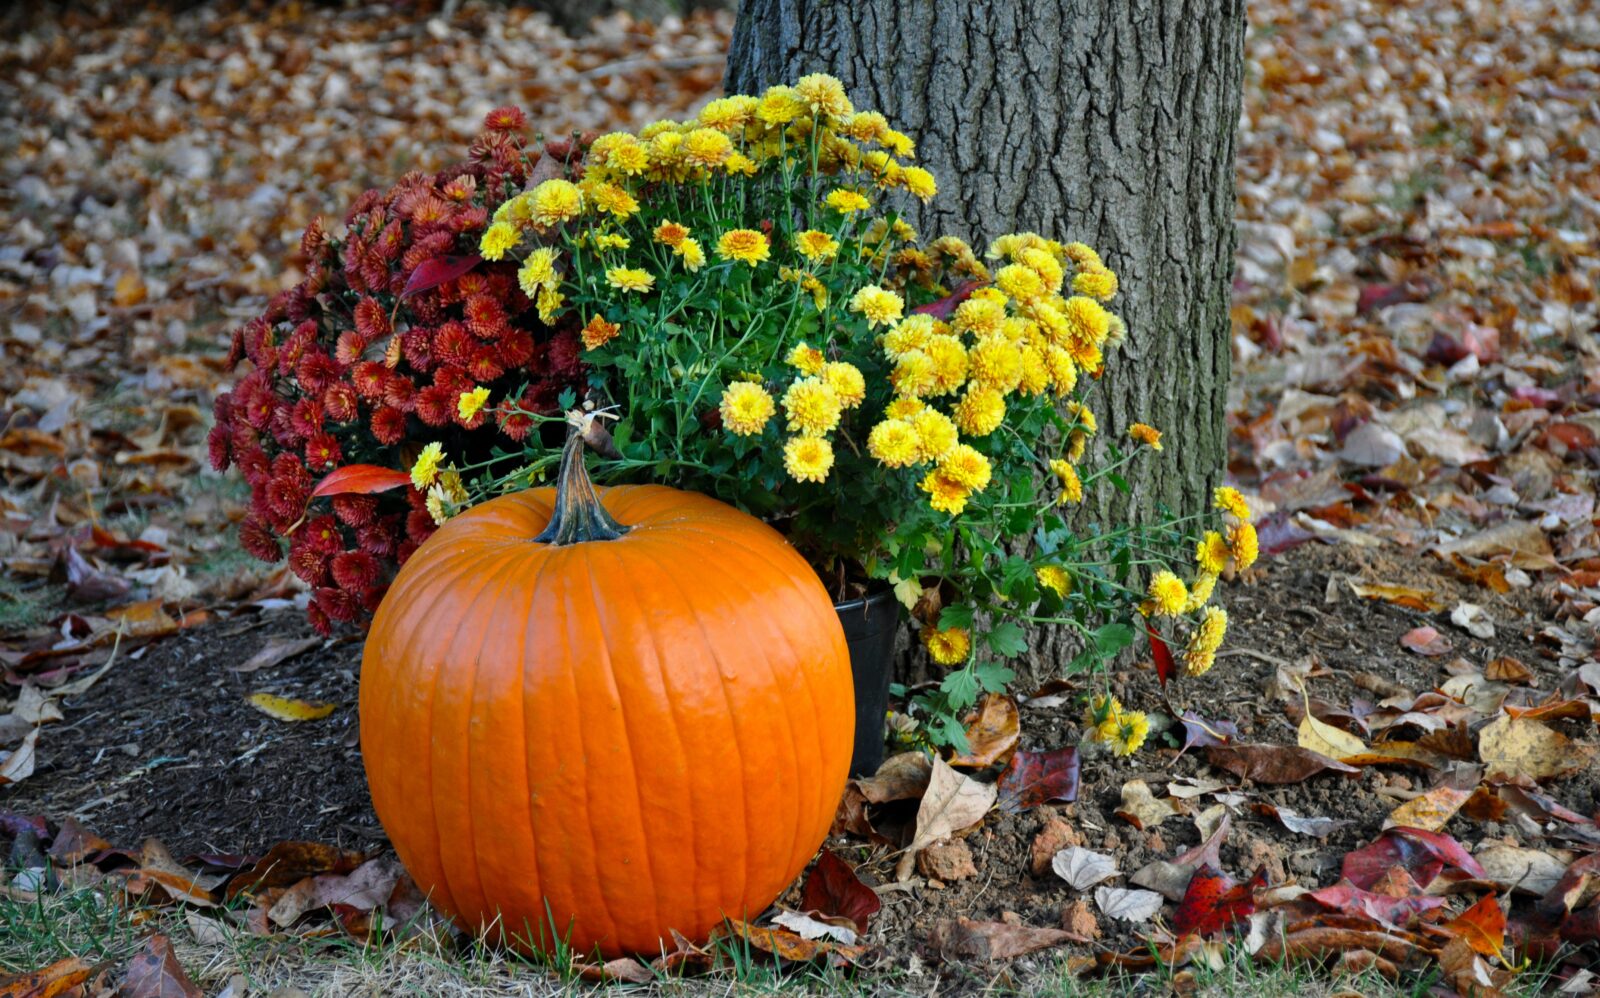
(873, 598)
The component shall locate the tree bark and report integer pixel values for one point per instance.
(1106, 121)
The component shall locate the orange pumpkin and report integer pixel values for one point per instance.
(597, 715)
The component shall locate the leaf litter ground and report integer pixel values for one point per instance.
(1414, 408)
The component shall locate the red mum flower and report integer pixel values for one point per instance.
(217, 446)
(473, 218)
(369, 377)
(417, 345)
(295, 346)
(435, 406)
(399, 392)
(337, 604)
(515, 424)
(472, 283)
(389, 425)
(339, 403)
(370, 598)
(253, 463)
(505, 119)
(514, 349)
(420, 525)
(390, 242)
(380, 538)
(285, 502)
(453, 345)
(372, 322)
(407, 549)
(565, 355)
(485, 365)
(319, 619)
(314, 241)
(323, 452)
(310, 564)
(323, 534)
(258, 541)
(355, 569)
(454, 380)
(349, 347)
(426, 248)
(306, 417)
(357, 511)
(461, 188)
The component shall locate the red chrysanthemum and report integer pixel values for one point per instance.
(505, 119)
(355, 510)
(355, 569)
(461, 188)
(372, 322)
(420, 525)
(308, 563)
(380, 538)
(219, 446)
(514, 349)
(399, 391)
(316, 370)
(485, 364)
(388, 425)
(454, 380)
(339, 403)
(454, 345)
(323, 452)
(258, 541)
(435, 406)
(319, 619)
(416, 346)
(306, 417)
(369, 377)
(337, 604)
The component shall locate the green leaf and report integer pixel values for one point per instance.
(1113, 638)
(1008, 639)
(955, 615)
(1120, 482)
(994, 677)
(960, 689)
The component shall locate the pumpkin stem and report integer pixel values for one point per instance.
(578, 515)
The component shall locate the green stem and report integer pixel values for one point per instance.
(578, 515)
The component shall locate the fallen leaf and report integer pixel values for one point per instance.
(154, 972)
(1141, 808)
(807, 927)
(1483, 926)
(1421, 853)
(1425, 641)
(1431, 811)
(965, 939)
(901, 777)
(1518, 746)
(286, 709)
(1325, 739)
(1291, 819)
(291, 862)
(1515, 868)
(1406, 596)
(17, 764)
(1372, 445)
(1213, 902)
(833, 888)
(1201, 733)
(992, 734)
(1507, 670)
(1128, 905)
(1034, 778)
(1524, 540)
(624, 969)
(1473, 619)
(1391, 909)
(1274, 764)
(276, 652)
(790, 946)
(953, 803)
(1082, 868)
(54, 981)
(1467, 973)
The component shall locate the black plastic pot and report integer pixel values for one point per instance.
(870, 625)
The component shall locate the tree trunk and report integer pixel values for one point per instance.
(1106, 121)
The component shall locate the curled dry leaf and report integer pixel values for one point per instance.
(1325, 739)
(901, 777)
(1083, 868)
(1422, 854)
(288, 709)
(807, 927)
(992, 734)
(1413, 599)
(1128, 905)
(60, 978)
(276, 652)
(952, 804)
(787, 945)
(965, 939)
(17, 764)
(623, 969)
(833, 888)
(1142, 809)
(154, 972)
(1426, 641)
(1483, 926)
(1300, 824)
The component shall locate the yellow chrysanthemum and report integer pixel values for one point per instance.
(1063, 372)
(904, 408)
(614, 200)
(538, 271)
(979, 315)
(816, 246)
(1126, 731)
(806, 358)
(945, 494)
(812, 407)
(1096, 282)
(744, 245)
(497, 240)
(603, 241)
(1204, 641)
(808, 459)
(706, 147)
(980, 411)
(1071, 484)
(468, 404)
(1212, 553)
(879, 305)
(727, 113)
(549, 301)
(894, 443)
(919, 182)
(670, 234)
(779, 106)
(966, 467)
(691, 254)
(949, 646)
(1098, 710)
(746, 407)
(1243, 542)
(995, 363)
(1035, 372)
(1087, 320)
(936, 434)
(741, 165)
(1019, 282)
(913, 375)
(824, 94)
(846, 382)
(1045, 265)
(556, 201)
(1146, 434)
(1229, 500)
(1083, 416)
(426, 467)
(599, 332)
(846, 201)
(1077, 443)
(1055, 579)
(1082, 255)
(911, 333)
(435, 507)
(1200, 591)
(630, 158)
(630, 279)
(1168, 595)
(949, 359)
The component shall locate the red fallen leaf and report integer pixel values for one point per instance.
(1390, 910)
(1422, 854)
(1483, 926)
(1544, 398)
(88, 584)
(60, 978)
(1278, 532)
(1376, 296)
(432, 273)
(1425, 641)
(360, 479)
(1274, 763)
(1582, 927)
(1033, 778)
(291, 862)
(1213, 901)
(74, 843)
(834, 889)
(1573, 436)
(1201, 733)
(942, 308)
(1443, 349)
(154, 972)
(1162, 655)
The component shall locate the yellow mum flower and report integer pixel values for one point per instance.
(426, 468)
(1204, 641)
(608, 240)
(727, 113)
(1168, 595)
(497, 239)
(949, 359)
(879, 305)
(1098, 710)
(692, 255)
(1116, 331)
(706, 147)
(779, 106)
(556, 201)
(1200, 591)
(670, 234)
(1083, 416)
(629, 158)
(846, 382)
(1096, 282)
(949, 646)
(904, 408)
(745, 245)
(538, 271)
(549, 302)
(1055, 579)
(1242, 540)
(435, 506)
(740, 164)
(599, 332)
(1045, 265)
(808, 459)
(816, 246)
(1063, 372)
(807, 358)
(996, 363)
(979, 315)
(1035, 372)
(914, 374)
(812, 407)
(824, 94)
(936, 434)
(1077, 442)
(1212, 553)
(911, 333)
(1071, 484)
(1229, 500)
(1147, 435)
(894, 443)
(865, 126)
(1125, 731)
(846, 201)
(919, 182)
(980, 411)
(945, 494)
(1019, 282)
(468, 404)
(1082, 255)
(746, 407)
(1086, 319)
(966, 467)
(630, 279)
(613, 199)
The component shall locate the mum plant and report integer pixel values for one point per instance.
(768, 330)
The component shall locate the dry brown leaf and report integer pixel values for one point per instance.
(992, 735)
(1142, 809)
(1430, 812)
(952, 804)
(1518, 746)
